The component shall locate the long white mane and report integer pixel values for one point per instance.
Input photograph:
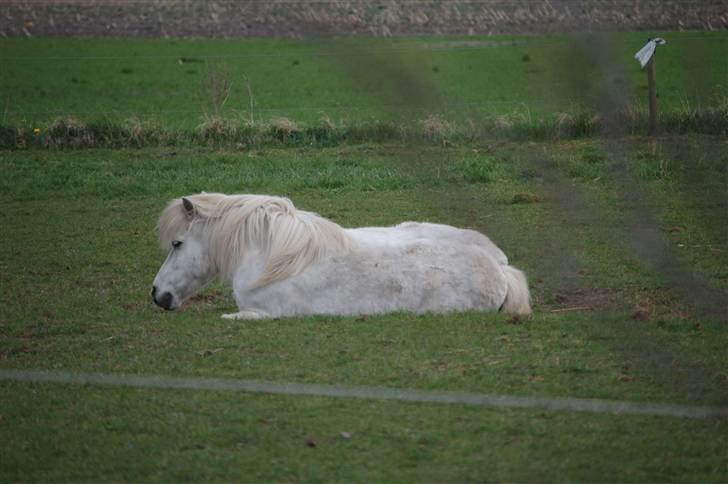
(290, 238)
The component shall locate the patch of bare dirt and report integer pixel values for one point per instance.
(332, 18)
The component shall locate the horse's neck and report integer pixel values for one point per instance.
(282, 246)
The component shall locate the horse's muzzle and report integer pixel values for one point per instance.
(164, 300)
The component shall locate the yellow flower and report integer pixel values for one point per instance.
(36, 131)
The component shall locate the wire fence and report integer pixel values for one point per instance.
(612, 407)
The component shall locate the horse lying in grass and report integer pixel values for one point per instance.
(282, 261)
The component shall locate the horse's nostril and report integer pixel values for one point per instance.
(164, 301)
(154, 291)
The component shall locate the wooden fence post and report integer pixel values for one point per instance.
(652, 88)
(646, 58)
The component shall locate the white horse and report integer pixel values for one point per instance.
(282, 261)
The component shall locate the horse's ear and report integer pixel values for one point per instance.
(189, 208)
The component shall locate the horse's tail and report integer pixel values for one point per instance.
(518, 298)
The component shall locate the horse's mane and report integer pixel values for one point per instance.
(291, 238)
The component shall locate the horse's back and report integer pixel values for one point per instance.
(412, 231)
(418, 275)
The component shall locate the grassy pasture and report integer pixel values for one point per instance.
(79, 253)
(174, 83)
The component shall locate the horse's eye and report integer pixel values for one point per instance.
(176, 244)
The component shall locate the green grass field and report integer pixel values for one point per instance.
(176, 82)
(79, 254)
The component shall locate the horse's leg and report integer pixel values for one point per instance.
(243, 315)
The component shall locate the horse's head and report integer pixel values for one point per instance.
(188, 267)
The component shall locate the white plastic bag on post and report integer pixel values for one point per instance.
(644, 55)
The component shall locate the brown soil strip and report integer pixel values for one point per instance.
(312, 18)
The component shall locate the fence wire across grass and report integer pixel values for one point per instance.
(370, 393)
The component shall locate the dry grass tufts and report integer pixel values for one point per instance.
(142, 132)
(68, 132)
(136, 128)
(503, 122)
(215, 128)
(283, 127)
(434, 127)
(217, 84)
(564, 120)
(284, 124)
(68, 125)
(328, 123)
